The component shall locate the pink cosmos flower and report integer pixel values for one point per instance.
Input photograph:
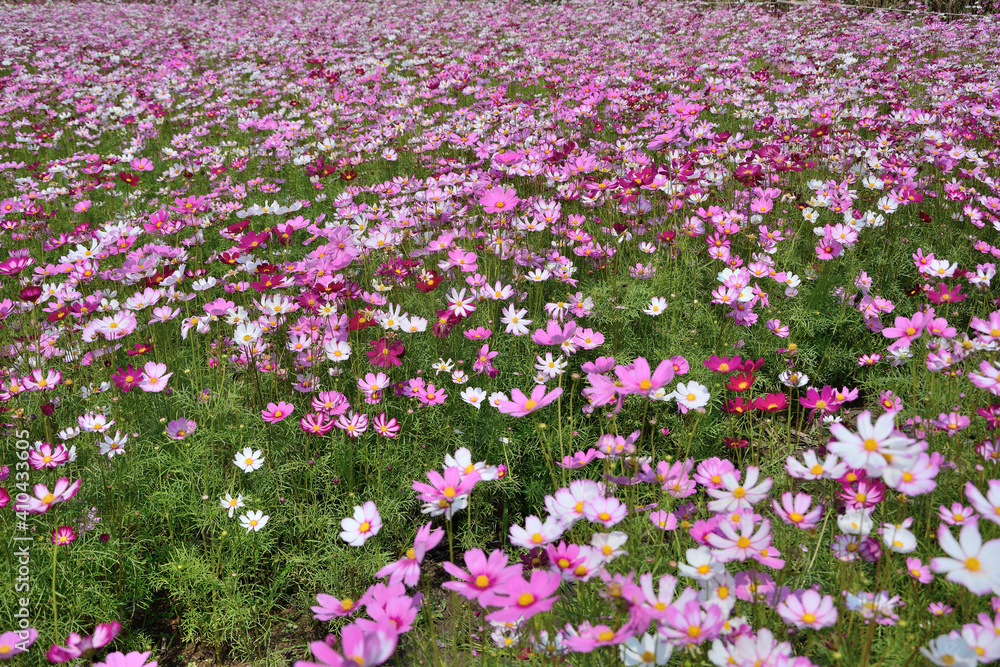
(154, 377)
(797, 512)
(484, 573)
(663, 520)
(808, 609)
(329, 607)
(431, 395)
(907, 329)
(723, 364)
(499, 200)
(952, 423)
(275, 412)
(448, 493)
(730, 545)
(519, 598)
(47, 456)
(13, 642)
(359, 648)
(957, 514)
(607, 511)
(77, 646)
(132, 659)
(637, 379)
(44, 499)
(407, 568)
(579, 459)
(521, 405)
(691, 623)
(989, 505)
(554, 333)
(916, 569)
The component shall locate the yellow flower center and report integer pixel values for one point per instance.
(972, 564)
(482, 581)
(808, 618)
(795, 517)
(871, 444)
(743, 542)
(364, 527)
(525, 599)
(739, 492)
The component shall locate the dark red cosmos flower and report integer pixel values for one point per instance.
(229, 257)
(58, 315)
(128, 178)
(386, 353)
(430, 281)
(348, 175)
(736, 443)
(362, 319)
(30, 293)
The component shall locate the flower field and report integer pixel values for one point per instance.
(455, 333)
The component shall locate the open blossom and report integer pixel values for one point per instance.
(808, 609)
(363, 524)
(448, 493)
(154, 377)
(361, 647)
(867, 449)
(407, 568)
(521, 405)
(43, 499)
(970, 562)
(254, 521)
(249, 459)
(519, 598)
(483, 574)
(275, 412)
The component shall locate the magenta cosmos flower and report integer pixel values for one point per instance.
(521, 405)
(407, 568)
(519, 598)
(359, 648)
(484, 575)
(636, 378)
(386, 353)
(275, 412)
(77, 646)
(63, 535)
(133, 659)
(499, 200)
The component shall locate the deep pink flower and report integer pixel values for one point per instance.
(275, 412)
(386, 353)
(407, 568)
(77, 646)
(484, 573)
(519, 598)
(521, 405)
(499, 200)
